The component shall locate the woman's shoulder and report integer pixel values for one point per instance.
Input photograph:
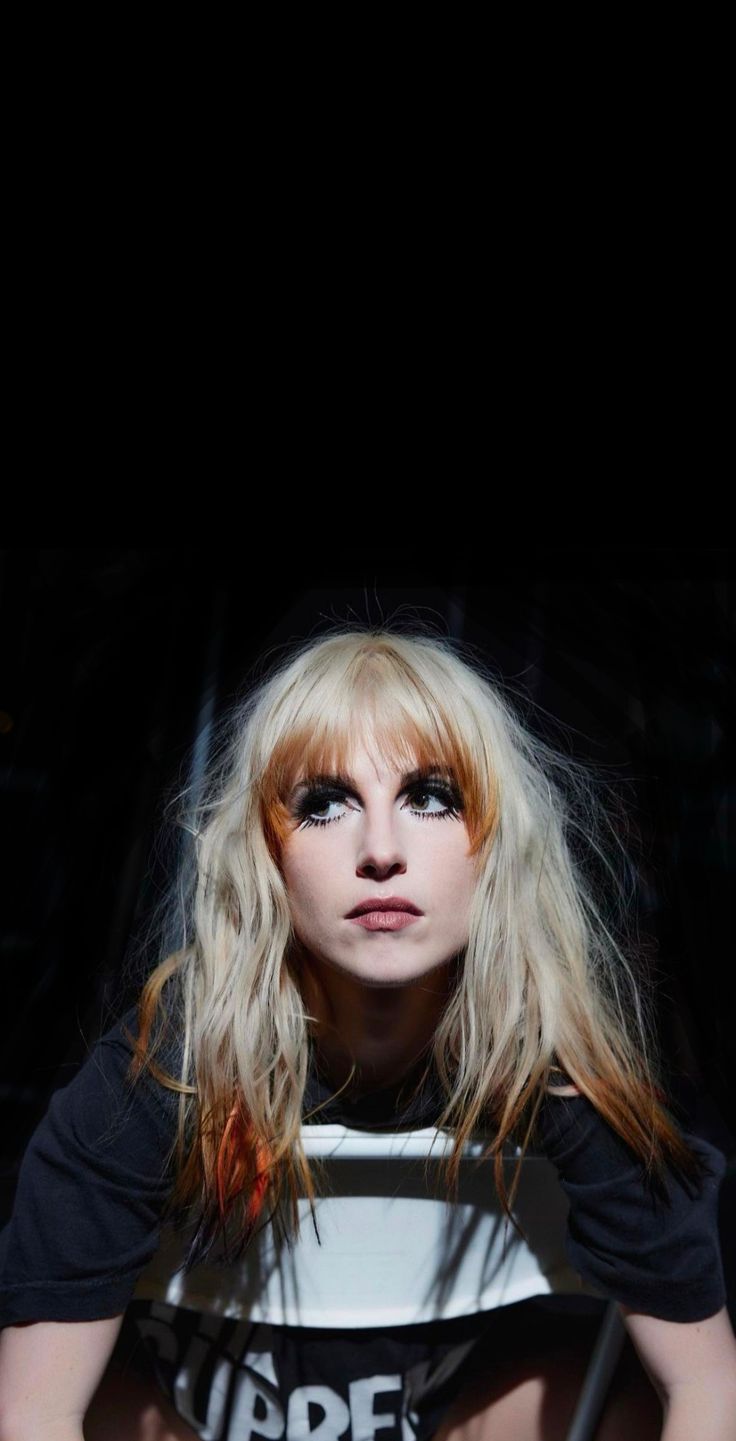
(93, 1182)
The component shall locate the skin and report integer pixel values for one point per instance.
(376, 996)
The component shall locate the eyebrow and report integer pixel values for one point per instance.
(347, 783)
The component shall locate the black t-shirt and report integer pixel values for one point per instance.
(92, 1186)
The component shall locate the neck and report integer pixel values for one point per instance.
(383, 1030)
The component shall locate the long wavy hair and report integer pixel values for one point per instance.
(548, 980)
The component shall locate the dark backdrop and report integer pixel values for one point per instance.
(114, 660)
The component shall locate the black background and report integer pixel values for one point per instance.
(113, 659)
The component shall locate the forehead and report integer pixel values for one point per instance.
(365, 763)
(366, 755)
(360, 776)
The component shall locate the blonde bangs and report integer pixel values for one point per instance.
(380, 700)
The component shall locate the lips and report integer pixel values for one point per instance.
(384, 903)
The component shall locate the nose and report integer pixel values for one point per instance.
(381, 851)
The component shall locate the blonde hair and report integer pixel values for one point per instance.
(544, 980)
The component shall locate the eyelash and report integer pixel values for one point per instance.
(319, 797)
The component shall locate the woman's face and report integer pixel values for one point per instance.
(377, 835)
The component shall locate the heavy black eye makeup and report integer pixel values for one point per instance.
(313, 795)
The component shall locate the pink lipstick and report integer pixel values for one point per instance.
(384, 920)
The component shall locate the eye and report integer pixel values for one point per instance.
(432, 793)
(315, 801)
(320, 798)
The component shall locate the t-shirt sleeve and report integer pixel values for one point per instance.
(91, 1189)
(661, 1257)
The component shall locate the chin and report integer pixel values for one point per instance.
(394, 973)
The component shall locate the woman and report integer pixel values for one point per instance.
(386, 897)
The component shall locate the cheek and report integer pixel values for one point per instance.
(450, 855)
(452, 875)
(294, 856)
(305, 874)
(293, 871)
(459, 879)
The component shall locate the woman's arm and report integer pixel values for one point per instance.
(49, 1372)
(692, 1366)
